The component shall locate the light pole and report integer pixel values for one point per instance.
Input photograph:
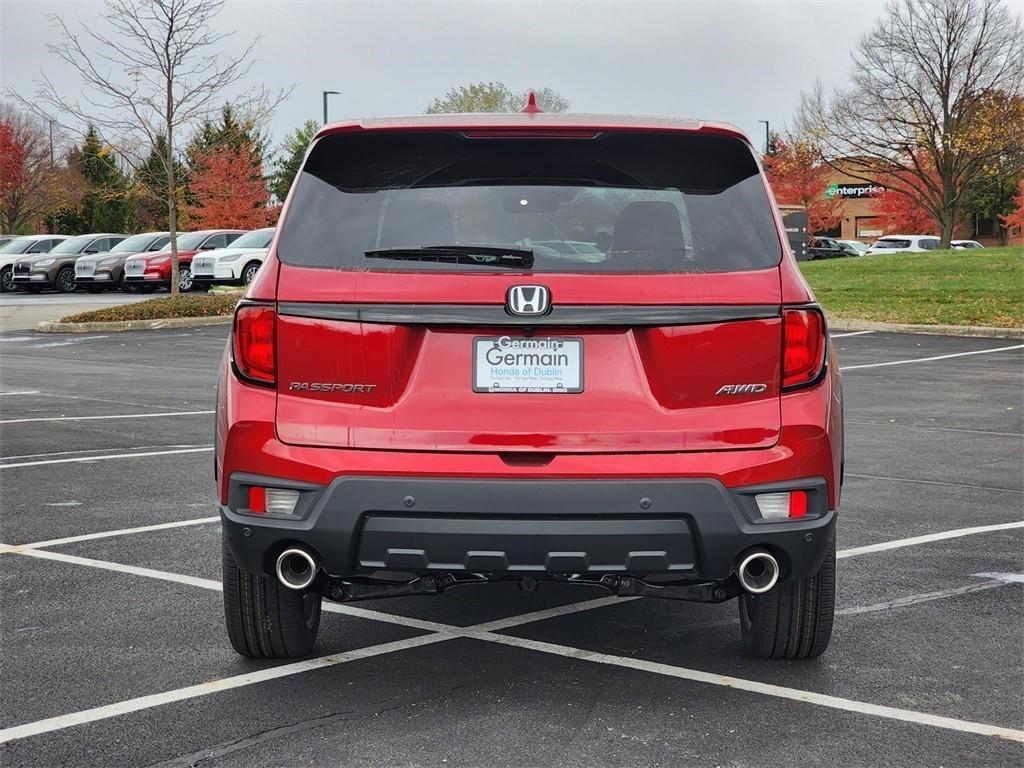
(767, 136)
(326, 94)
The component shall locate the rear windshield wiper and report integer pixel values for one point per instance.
(482, 255)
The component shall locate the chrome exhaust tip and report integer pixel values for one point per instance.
(296, 568)
(758, 572)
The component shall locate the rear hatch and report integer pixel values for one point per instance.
(594, 292)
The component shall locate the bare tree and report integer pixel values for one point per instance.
(156, 69)
(495, 97)
(936, 97)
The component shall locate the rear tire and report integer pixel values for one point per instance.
(266, 620)
(794, 619)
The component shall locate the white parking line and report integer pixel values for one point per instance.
(84, 451)
(122, 532)
(213, 686)
(105, 458)
(65, 343)
(478, 632)
(929, 359)
(926, 597)
(112, 416)
(486, 632)
(1008, 578)
(927, 538)
(26, 392)
(933, 428)
(104, 565)
(754, 686)
(844, 335)
(935, 482)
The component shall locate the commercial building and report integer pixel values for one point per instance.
(859, 219)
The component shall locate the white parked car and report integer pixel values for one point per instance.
(235, 265)
(19, 247)
(959, 245)
(904, 244)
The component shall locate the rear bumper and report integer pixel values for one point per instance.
(692, 528)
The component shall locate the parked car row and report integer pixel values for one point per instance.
(830, 248)
(111, 261)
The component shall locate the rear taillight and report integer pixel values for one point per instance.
(803, 350)
(253, 340)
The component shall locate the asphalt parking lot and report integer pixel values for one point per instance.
(20, 310)
(114, 651)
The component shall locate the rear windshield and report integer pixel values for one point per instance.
(620, 202)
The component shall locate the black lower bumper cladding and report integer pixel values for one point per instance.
(693, 529)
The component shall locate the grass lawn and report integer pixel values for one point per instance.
(984, 287)
(161, 308)
(980, 287)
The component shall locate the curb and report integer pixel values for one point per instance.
(49, 326)
(986, 331)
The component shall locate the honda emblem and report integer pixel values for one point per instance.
(528, 300)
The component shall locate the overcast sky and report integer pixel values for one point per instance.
(735, 60)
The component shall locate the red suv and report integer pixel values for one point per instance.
(149, 271)
(423, 388)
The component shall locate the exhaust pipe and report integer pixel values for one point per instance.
(296, 568)
(758, 571)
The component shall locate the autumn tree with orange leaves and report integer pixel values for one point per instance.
(936, 95)
(1015, 219)
(901, 214)
(229, 191)
(798, 177)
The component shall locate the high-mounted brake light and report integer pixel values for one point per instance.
(253, 340)
(803, 351)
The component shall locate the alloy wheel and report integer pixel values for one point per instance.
(185, 279)
(66, 280)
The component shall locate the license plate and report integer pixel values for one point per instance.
(539, 364)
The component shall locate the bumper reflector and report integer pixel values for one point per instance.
(782, 506)
(258, 500)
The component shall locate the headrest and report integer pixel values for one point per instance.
(416, 223)
(648, 226)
